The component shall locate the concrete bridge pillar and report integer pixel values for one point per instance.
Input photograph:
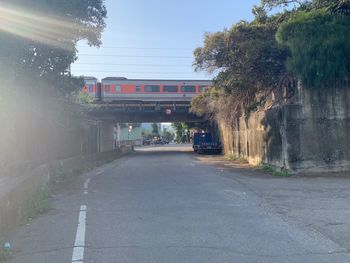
(106, 136)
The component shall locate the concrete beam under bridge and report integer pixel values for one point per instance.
(124, 117)
(144, 112)
(106, 138)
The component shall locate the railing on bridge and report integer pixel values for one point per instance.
(144, 107)
(123, 143)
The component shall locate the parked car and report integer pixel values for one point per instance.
(146, 142)
(205, 143)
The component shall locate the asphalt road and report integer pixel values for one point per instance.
(163, 204)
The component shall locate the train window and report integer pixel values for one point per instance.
(107, 88)
(188, 89)
(152, 88)
(170, 88)
(91, 88)
(118, 88)
(138, 88)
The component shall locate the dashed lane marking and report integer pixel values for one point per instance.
(79, 244)
(86, 184)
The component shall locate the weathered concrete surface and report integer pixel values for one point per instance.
(166, 205)
(106, 136)
(317, 132)
(309, 136)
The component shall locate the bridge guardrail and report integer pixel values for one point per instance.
(123, 143)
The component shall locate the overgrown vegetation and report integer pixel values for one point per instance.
(259, 63)
(248, 61)
(309, 41)
(236, 158)
(39, 202)
(36, 204)
(5, 254)
(59, 174)
(319, 47)
(273, 171)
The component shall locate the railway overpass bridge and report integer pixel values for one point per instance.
(138, 111)
(108, 115)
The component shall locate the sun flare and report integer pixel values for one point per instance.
(35, 26)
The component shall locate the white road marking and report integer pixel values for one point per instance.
(86, 184)
(86, 192)
(100, 172)
(79, 244)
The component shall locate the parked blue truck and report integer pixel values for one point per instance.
(205, 143)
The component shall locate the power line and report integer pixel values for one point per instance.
(129, 56)
(138, 48)
(120, 64)
(136, 72)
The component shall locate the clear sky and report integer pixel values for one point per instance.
(156, 38)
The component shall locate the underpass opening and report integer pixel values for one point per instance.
(156, 137)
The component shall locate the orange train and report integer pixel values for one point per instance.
(123, 89)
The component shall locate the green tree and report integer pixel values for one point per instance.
(271, 4)
(334, 6)
(38, 38)
(168, 135)
(341, 7)
(155, 129)
(319, 47)
(247, 58)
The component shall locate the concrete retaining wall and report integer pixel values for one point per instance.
(318, 131)
(309, 136)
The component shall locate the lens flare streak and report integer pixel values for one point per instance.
(53, 31)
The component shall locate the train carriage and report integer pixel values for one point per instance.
(123, 89)
(90, 86)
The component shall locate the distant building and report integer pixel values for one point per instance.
(124, 132)
(167, 127)
(148, 127)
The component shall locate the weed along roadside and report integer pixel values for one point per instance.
(273, 171)
(239, 159)
(266, 168)
(28, 195)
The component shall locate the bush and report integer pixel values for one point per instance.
(319, 45)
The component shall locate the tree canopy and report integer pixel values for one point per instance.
(319, 47)
(291, 40)
(246, 55)
(38, 37)
(247, 60)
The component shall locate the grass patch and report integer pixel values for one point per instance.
(5, 254)
(271, 170)
(36, 204)
(235, 158)
(39, 202)
(60, 175)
